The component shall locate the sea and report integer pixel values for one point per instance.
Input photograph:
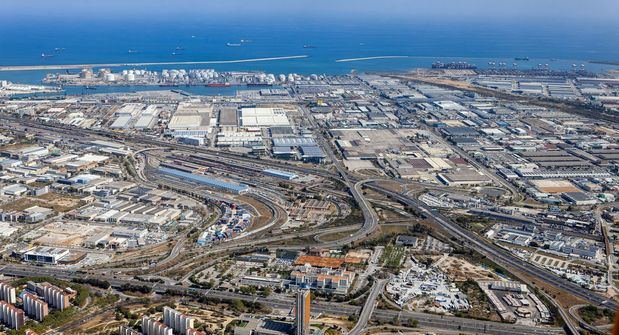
(557, 45)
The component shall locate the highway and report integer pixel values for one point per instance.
(369, 306)
(499, 255)
(425, 320)
(494, 253)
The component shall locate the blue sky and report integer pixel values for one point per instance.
(598, 11)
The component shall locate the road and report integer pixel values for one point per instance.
(369, 306)
(494, 253)
(340, 309)
(499, 255)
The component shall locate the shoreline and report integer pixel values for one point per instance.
(81, 66)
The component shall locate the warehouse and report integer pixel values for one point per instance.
(148, 118)
(210, 182)
(263, 117)
(190, 119)
(553, 186)
(463, 177)
(280, 174)
(45, 255)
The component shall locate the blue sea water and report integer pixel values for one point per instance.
(88, 41)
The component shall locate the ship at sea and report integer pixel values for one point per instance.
(233, 44)
(308, 46)
(44, 55)
(522, 58)
(454, 66)
(259, 85)
(131, 51)
(218, 84)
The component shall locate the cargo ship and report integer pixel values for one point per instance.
(218, 84)
(454, 66)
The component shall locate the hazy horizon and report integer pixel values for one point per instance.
(552, 11)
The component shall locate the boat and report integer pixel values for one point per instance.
(259, 84)
(179, 48)
(131, 51)
(246, 41)
(90, 87)
(168, 85)
(44, 55)
(218, 84)
(233, 44)
(455, 66)
(176, 53)
(307, 46)
(522, 58)
(58, 49)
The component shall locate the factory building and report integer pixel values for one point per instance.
(191, 119)
(45, 255)
(11, 316)
(34, 307)
(7, 293)
(263, 117)
(153, 327)
(210, 182)
(280, 174)
(177, 320)
(302, 312)
(55, 297)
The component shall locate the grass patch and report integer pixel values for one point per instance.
(393, 256)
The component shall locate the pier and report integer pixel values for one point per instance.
(82, 66)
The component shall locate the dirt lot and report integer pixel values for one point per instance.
(264, 212)
(460, 270)
(56, 201)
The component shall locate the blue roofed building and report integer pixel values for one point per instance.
(280, 174)
(312, 154)
(207, 181)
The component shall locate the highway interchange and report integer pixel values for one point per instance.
(369, 225)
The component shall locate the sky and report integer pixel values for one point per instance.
(593, 11)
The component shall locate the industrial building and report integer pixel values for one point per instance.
(255, 326)
(209, 182)
(263, 117)
(127, 115)
(176, 320)
(191, 119)
(46, 255)
(11, 316)
(280, 174)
